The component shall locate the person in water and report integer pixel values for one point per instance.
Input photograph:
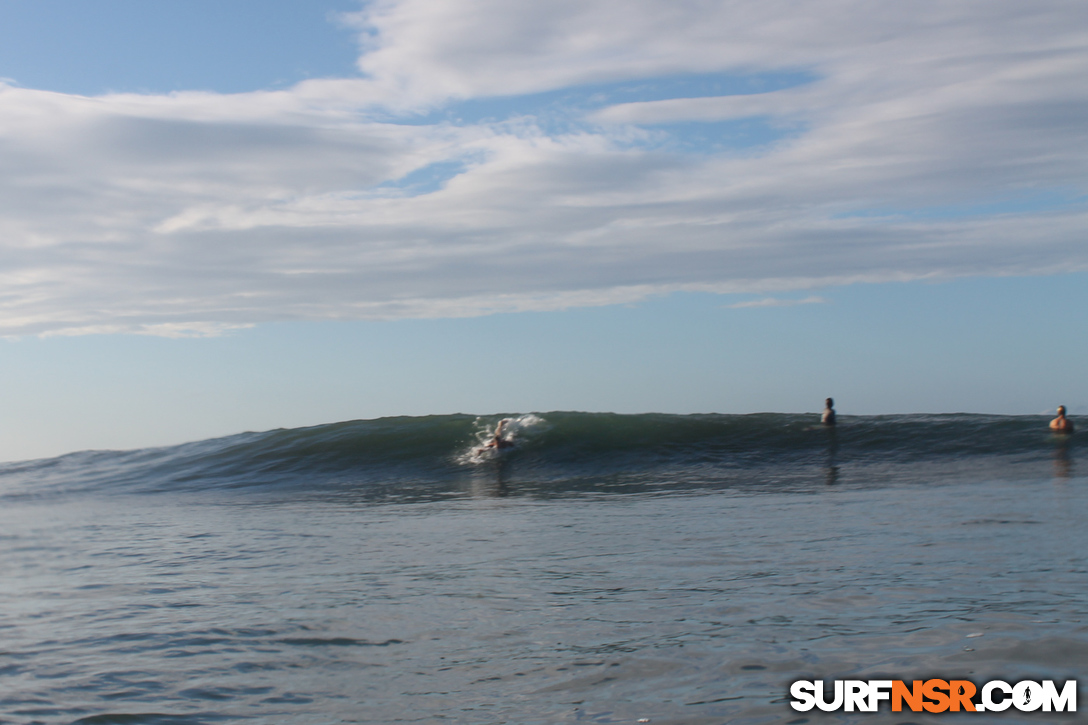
(498, 442)
(828, 418)
(1061, 424)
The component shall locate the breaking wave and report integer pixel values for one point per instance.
(558, 453)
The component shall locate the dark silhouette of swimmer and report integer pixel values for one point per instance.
(497, 442)
(1061, 424)
(828, 418)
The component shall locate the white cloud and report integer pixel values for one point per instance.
(193, 213)
(777, 302)
(718, 108)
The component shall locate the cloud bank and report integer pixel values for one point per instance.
(497, 156)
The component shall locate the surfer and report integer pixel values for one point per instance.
(828, 418)
(1061, 424)
(497, 442)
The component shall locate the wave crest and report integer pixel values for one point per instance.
(559, 451)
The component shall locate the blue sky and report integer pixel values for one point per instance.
(219, 217)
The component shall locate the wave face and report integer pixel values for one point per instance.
(416, 458)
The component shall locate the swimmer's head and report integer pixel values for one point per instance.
(829, 403)
(1061, 410)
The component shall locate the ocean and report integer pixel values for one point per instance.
(607, 569)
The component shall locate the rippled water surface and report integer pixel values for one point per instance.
(685, 606)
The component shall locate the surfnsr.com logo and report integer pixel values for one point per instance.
(935, 696)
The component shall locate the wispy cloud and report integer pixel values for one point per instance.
(198, 211)
(777, 302)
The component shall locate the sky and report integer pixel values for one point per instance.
(217, 217)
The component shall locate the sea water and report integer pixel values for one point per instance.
(608, 569)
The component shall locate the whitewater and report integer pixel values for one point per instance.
(606, 569)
